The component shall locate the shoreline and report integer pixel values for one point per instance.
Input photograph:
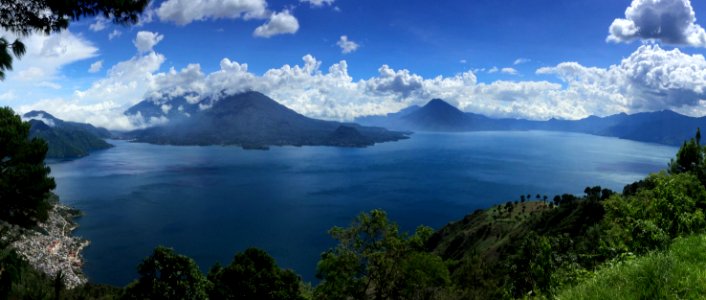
(51, 248)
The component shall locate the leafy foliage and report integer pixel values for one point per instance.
(168, 275)
(67, 141)
(253, 274)
(24, 178)
(690, 158)
(374, 261)
(652, 217)
(674, 274)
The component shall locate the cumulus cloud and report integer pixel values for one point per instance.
(669, 21)
(106, 114)
(649, 79)
(96, 67)
(346, 45)
(391, 82)
(127, 80)
(182, 12)
(146, 40)
(318, 3)
(333, 94)
(104, 101)
(40, 67)
(278, 23)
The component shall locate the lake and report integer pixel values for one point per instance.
(211, 202)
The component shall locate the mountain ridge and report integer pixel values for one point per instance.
(253, 120)
(661, 127)
(66, 140)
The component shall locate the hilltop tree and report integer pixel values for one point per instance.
(254, 275)
(168, 275)
(24, 178)
(374, 261)
(690, 159)
(23, 17)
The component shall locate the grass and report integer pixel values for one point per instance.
(678, 273)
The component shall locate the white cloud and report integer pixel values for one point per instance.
(318, 3)
(494, 70)
(509, 71)
(96, 67)
(391, 82)
(669, 21)
(347, 46)
(126, 81)
(106, 114)
(41, 117)
(649, 79)
(103, 103)
(279, 23)
(146, 40)
(521, 60)
(46, 56)
(115, 33)
(99, 24)
(463, 61)
(183, 12)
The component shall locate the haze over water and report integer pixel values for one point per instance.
(211, 202)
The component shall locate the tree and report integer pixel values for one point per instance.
(374, 261)
(698, 136)
(23, 17)
(168, 275)
(649, 219)
(690, 158)
(253, 274)
(24, 178)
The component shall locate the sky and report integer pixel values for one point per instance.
(340, 59)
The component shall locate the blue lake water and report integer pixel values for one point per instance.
(211, 202)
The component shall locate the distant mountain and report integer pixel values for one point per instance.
(387, 121)
(66, 139)
(253, 120)
(175, 109)
(662, 127)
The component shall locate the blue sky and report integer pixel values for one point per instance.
(503, 58)
(430, 39)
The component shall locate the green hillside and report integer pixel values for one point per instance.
(678, 273)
